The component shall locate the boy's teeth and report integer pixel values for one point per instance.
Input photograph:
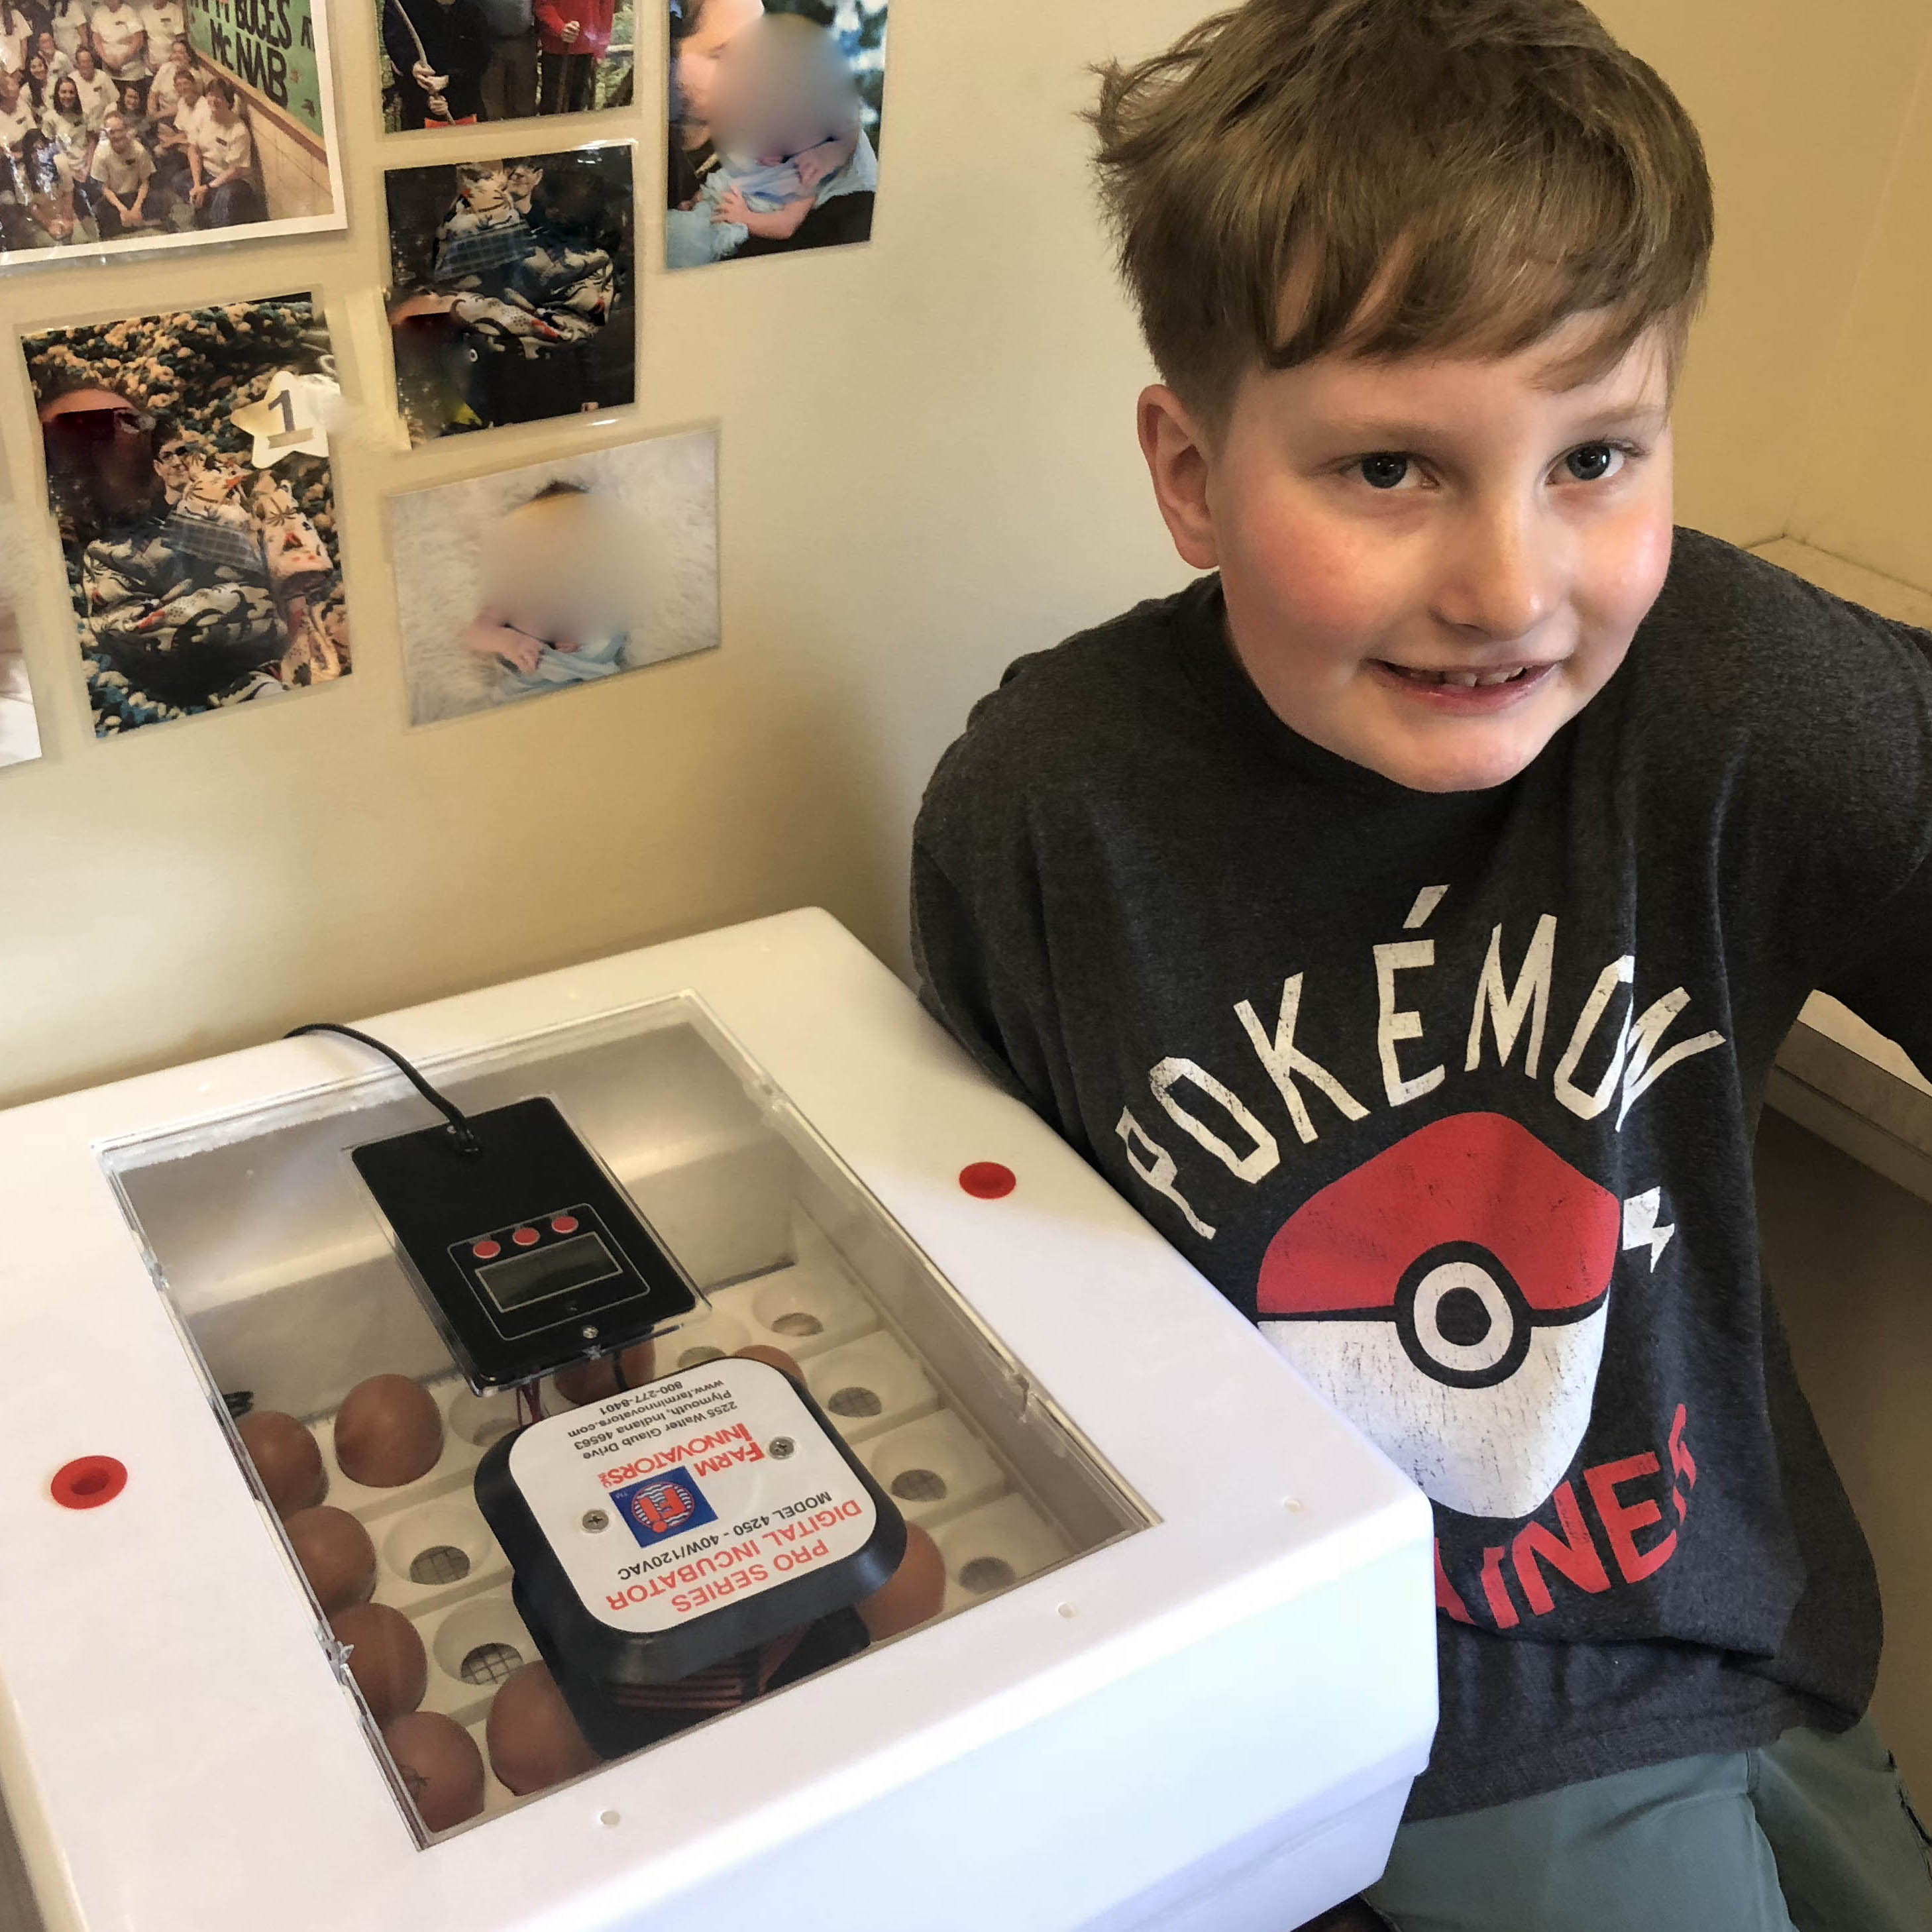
(1466, 680)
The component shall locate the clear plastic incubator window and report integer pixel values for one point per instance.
(288, 1294)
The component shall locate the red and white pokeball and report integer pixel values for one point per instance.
(1449, 1297)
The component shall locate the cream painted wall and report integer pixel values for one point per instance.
(927, 467)
(1802, 109)
(1862, 496)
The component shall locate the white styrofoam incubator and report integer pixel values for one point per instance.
(1011, 1580)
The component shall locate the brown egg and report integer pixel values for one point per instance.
(914, 1592)
(388, 1431)
(534, 1741)
(386, 1657)
(335, 1554)
(603, 1375)
(439, 1764)
(776, 1357)
(588, 1381)
(287, 1458)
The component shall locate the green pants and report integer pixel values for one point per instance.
(1812, 1834)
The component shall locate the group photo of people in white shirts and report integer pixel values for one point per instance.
(111, 127)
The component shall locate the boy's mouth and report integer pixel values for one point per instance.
(1466, 680)
(1460, 693)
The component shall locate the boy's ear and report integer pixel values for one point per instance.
(1176, 460)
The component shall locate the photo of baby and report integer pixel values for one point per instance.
(774, 124)
(512, 294)
(196, 523)
(562, 574)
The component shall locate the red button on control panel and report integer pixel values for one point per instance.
(526, 1238)
(486, 1251)
(564, 1224)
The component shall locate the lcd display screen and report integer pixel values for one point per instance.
(556, 1269)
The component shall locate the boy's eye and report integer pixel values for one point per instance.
(1384, 469)
(1591, 463)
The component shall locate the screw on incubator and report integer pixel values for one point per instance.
(596, 1519)
(780, 1446)
(589, 1332)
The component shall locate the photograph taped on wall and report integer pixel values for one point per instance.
(558, 575)
(451, 63)
(512, 289)
(19, 730)
(775, 123)
(187, 474)
(164, 125)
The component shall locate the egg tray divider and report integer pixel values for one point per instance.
(990, 1537)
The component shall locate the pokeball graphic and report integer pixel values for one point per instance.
(1449, 1298)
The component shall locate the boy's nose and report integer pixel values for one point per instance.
(1501, 578)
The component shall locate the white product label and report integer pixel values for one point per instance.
(666, 1501)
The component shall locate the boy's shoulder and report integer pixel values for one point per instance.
(1740, 662)
(1062, 715)
(1744, 603)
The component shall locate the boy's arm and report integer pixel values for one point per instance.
(1890, 989)
(1843, 796)
(980, 951)
(955, 974)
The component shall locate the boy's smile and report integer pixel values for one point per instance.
(1431, 565)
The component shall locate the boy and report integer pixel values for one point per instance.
(1404, 919)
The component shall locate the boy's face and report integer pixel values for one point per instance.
(1375, 524)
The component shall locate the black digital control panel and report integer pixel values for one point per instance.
(527, 1253)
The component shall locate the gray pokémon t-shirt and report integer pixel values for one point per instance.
(1454, 1095)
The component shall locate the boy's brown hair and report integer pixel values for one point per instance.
(1386, 177)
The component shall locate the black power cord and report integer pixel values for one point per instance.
(463, 1134)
